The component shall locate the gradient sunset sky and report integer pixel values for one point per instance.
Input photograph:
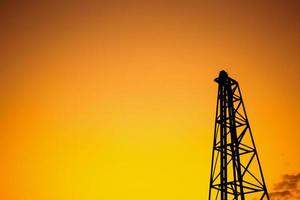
(115, 100)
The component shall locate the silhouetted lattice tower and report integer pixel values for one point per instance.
(236, 173)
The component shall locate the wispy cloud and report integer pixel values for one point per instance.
(287, 188)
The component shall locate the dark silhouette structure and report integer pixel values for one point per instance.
(236, 173)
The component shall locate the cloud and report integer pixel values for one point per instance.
(287, 188)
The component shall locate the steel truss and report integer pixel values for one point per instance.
(236, 171)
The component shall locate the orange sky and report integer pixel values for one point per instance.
(116, 100)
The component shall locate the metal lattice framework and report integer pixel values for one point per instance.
(236, 172)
